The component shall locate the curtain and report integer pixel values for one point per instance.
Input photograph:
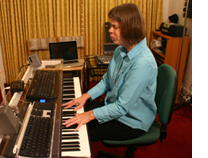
(54, 18)
(25, 19)
(13, 34)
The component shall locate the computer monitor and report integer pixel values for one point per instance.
(66, 50)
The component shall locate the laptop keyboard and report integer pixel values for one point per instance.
(70, 61)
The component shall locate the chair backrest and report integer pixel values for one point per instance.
(165, 94)
(79, 39)
(36, 44)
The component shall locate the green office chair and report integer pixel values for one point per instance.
(165, 100)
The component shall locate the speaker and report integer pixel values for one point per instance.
(34, 60)
(107, 34)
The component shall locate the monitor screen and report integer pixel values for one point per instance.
(63, 50)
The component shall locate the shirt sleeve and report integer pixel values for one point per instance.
(103, 85)
(100, 88)
(137, 79)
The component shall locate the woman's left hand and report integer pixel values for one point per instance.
(80, 119)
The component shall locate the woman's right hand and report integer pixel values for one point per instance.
(79, 102)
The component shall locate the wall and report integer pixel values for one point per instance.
(165, 10)
(171, 7)
(2, 66)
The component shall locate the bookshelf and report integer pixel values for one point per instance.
(171, 54)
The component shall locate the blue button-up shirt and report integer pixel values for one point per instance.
(130, 83)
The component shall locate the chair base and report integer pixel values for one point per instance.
(101, 154)
(129, 153)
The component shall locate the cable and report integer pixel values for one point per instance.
(13, 107)
(84, 68)
(187, 104)
(3, 96)
(19, 77)
(24, 66)
(21, 101)
(185, 112)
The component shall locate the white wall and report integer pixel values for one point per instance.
(171, 7)
(165, 10)
(2, 66)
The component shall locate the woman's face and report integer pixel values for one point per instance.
(115, 32)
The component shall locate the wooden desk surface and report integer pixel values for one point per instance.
(77, 68)
(57, 64)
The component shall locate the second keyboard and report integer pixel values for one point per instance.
(44, 85)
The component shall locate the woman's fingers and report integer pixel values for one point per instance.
(67, 104)
(80, 119)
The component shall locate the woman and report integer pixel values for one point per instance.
(129, 108)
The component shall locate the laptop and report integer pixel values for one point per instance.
(67, 51)
(108, 50)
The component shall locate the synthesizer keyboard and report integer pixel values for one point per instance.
(44, 85)
(72, 144)
(103, 60)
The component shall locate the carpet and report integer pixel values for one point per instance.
(178, 142)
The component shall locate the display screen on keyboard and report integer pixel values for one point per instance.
(44, 85)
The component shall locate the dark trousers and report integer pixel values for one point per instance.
(112, 130)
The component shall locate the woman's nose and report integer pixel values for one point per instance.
(110, 30)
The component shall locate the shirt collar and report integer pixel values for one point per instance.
(134, 51)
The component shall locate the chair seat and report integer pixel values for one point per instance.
(146, 139)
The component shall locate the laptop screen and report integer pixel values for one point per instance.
(63, 50)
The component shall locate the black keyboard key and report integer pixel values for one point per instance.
(70, 143)
(67, 130)
(69, 137)
(69, 92)
(71, 96)
(68, 83)
(70, 149)
(70, 127)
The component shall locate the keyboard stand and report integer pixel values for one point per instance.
(95, 71)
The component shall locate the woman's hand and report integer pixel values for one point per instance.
(79, 102)
(80, 119)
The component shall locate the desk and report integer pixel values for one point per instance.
(92, 70)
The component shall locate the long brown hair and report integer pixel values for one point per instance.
(131, 22)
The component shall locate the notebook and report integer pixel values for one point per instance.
(67, 51)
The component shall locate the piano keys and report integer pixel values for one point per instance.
(73, 144)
